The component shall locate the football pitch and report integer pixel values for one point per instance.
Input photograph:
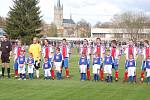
(73, 88)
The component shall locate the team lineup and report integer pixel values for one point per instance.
(55, 59)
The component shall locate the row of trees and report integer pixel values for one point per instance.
(81, 29)
(25, 20)
(129, 22)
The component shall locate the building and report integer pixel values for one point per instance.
(109, 34)
(65, 27)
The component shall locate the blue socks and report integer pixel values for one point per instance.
(95, 77)
(131, 78)
(31, 76)
(148, 79)
(59, 77)
(83, 76)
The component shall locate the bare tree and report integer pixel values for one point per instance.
(52, 31)
(2, 22)
(130, 22)
(98, 25)
(83, 28)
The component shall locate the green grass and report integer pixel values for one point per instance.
(73, 88)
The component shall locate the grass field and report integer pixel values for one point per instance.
(73, 88)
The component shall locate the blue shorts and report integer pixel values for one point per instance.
(143, 66)
(65, 63)
(15, 65)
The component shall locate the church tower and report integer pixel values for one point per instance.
(58, 15)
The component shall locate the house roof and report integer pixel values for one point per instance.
(69, 21)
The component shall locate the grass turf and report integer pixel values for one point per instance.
(73, 88)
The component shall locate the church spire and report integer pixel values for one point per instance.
(70, 15)
(58, 4)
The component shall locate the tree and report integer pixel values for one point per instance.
(2, 22)
(24, 20)
(97, 25)
(83, 28)
(52, 31)
(103, 25)
(130, 22)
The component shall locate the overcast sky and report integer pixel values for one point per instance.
(90, 10)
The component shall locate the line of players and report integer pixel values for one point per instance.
(106, 59)
(103, 59)
(51, 60)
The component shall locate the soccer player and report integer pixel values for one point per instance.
(130, 50)
(131, 67)
(16, 54)
(108, 61)
(83, 66)
(21, 65)
(147, 66)
(96, 66)
(47, 68)
(86, 50)
(100, 50)
(30, 63)
(115, 53)
(5, 48)
(58, 57)
(35, 49)
(145, 54)
(65, 51)
(47, 51)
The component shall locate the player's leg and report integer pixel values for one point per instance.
(88, 70)
(7, 65)
(52, 70)
(116, 70)
(3, 65)
(49, 74)
(24, 72)
(37, 66)
(101, 72)
(148, 75)
(52, 73)
(116, 75)
(66, 65)
(106, 73)
(81, 70)
(94, 72)
(84, 72)
(57, 74)
(126, 72)
(130, 74)
(29, 76)
(16, 69)
(20, 76)
(110, 72)
(59, 68)
(19, 72)
(142, 72)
